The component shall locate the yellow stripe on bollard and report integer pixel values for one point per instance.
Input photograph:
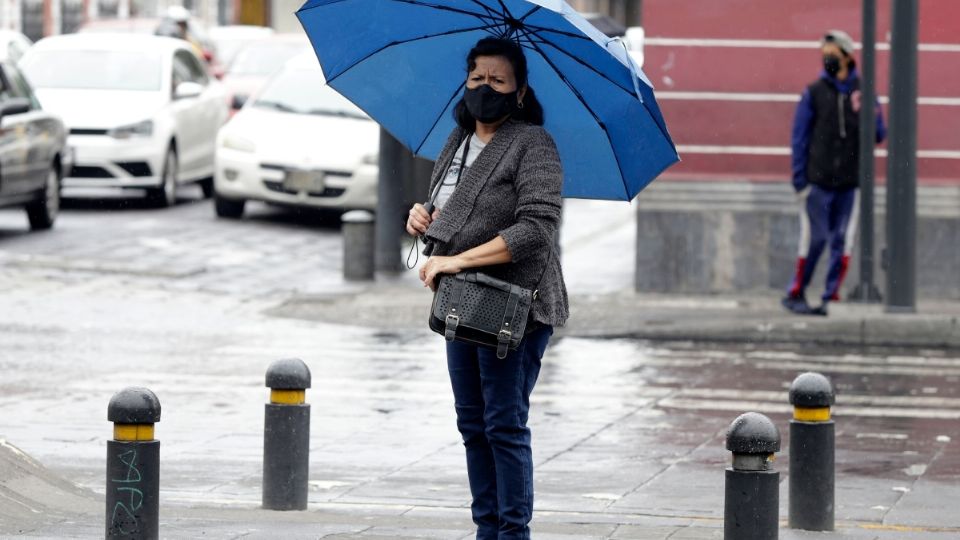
(133, 432)
(806, 414)
(288, 397)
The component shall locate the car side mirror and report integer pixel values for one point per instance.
(187, 89)
(14, 106)
(238, 101)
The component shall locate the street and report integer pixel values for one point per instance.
(628, 434)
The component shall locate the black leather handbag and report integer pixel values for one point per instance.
(480, 309)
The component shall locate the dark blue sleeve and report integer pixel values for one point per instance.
(800, 140)
(881, 127)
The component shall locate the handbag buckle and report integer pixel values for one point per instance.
(504, 336)
(452, 322)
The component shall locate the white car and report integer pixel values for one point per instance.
(230, 39)
(297, 142)
(142, 112)
(13, 45)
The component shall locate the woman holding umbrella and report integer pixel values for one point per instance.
(497, 194)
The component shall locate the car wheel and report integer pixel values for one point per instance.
(166, 195)
(43, 212)
(207, 186)
(228, 208)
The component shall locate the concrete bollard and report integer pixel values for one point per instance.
(286, 436)
(752, 498)
(811, 504)
(358, 245)
(133, 466)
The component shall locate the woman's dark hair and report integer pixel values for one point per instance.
(532, 111)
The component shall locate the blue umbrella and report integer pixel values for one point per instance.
(402, 61)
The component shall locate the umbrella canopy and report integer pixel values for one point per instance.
(404, 61)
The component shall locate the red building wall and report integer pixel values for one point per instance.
(728, 74)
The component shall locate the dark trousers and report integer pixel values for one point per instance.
(492, 399)
(827, 218)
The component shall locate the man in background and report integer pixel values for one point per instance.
(826, 154)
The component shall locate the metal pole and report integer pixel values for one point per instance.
(358, 245)
(811, 505)
(752, 487)
(286, 436)
(902, 161)
(867, 291)
(133, 466)
(634, 12)
(390, 212)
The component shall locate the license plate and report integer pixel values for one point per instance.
(310, 181)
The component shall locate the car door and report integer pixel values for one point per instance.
(212, 111)
(192, 121)
(42, 132)
(13, 142)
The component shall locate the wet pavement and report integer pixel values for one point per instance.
(628, 433)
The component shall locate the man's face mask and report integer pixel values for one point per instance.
(831, 64)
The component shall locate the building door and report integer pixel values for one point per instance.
(31, 18)
(254, 12)
(71, 15)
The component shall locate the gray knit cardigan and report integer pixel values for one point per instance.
(511, 190)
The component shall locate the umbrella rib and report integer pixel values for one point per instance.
(490, 13)
(577, 94)
(404, 42)
(437, 121)
(445, 8)
(556, 31)
(586, 65)
(529, 13)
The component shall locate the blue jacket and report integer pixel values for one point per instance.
(803, 126)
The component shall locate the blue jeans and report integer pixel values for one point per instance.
(492, 399)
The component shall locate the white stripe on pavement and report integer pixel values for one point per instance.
(775, 408)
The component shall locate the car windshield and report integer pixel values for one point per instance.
(263, 59)
(94, 70)
(304, 91)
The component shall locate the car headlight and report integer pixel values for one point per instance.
(240, 144)
(140, 129)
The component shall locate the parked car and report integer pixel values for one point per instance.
(32, 151)
(315, 163)
(13, 45)
(230, 39)
(256, 62)
(141, 110)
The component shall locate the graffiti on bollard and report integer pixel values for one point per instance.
(286, 436)
(133, 466)
(752, 497)
(812, 438)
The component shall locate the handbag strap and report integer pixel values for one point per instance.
(505, 335)
(414, 249)
(452, 320)
(463, 165)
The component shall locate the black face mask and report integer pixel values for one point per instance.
(831, 64)
(487, 105)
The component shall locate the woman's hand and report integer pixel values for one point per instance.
(439, 265)
(419, 219)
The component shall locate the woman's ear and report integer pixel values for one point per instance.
(520, 93)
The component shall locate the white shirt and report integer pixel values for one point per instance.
(449, 183)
